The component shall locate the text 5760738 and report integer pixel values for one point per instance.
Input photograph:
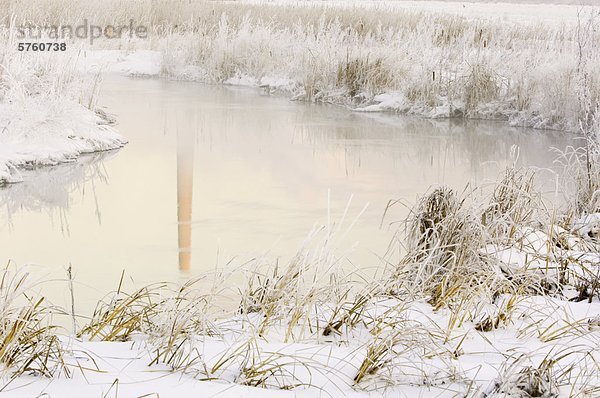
(42, 46)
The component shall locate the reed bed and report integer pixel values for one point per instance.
(428, 63)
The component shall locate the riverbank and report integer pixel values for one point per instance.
(47, 111)
(529, 72)
(484, 292)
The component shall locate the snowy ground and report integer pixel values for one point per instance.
(47, 112)
(521, 64)
(310, 337)
(35, 135)
(556, 11)
(422, 355)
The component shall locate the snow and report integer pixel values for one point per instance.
(34, 134)
(397, 102)
(422, 73)
(241, 80)
(326, 367)
(139, 63)
(588, 226)
(126, 366)
(47, 111)
(548, 11)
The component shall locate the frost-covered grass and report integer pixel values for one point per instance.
(47, 110)
(531, 73)
(28, 343)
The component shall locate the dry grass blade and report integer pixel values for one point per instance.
(28, 343)
(120, 315)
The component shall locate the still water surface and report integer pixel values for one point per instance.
(216, 172)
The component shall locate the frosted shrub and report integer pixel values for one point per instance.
(481, 86)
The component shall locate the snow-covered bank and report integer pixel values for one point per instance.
(298, 336)
(37, 134)
(424, 60)
(48, 113)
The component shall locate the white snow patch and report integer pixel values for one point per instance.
(137, 63)
(241, 80)
(588, 226)
(35, 133)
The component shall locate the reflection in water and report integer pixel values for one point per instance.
(185, 188)
(52, 189)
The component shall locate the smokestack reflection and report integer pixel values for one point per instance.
(185, 188)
